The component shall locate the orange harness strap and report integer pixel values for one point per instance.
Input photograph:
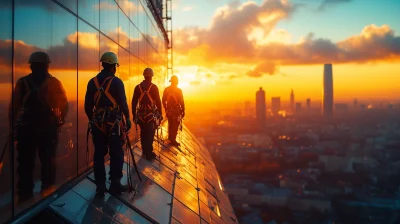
(100, 89)
(142, 93)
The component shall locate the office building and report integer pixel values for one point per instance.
(261, 108)
(328, 91)
(298, 107)
(292, 103)
(308, 102)
(275, 105)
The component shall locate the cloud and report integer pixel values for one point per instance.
(187, 8)
(326, 3)
(261, 69)
(63, 56)
(245, 34)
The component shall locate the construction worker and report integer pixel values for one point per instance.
(105, 105)
(38, 111)
(175, 108)
(147, 112)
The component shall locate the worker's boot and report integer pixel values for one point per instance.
(101, 190)
(116, 188)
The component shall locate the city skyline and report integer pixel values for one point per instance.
(282, 43)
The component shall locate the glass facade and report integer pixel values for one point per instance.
(74, 34)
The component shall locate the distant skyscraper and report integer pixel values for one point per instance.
(355, 103)
(328, 91)
(260, 106)
(292, 101)
(275, 105)
(308, 103)
(298, 107)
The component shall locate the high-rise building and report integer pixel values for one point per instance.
(328, 91)
(84, 30)
(308, 102)
(298, 107)
(261, 106)
(292, 101)
(275, 105)
(355, 103)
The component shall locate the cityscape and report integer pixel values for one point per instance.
(327, 163)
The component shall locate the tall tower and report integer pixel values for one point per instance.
(292, 101)
(260, 107)
(308, 102)
(328, 91)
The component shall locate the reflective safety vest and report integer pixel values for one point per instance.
(146, 113)
(106, 118)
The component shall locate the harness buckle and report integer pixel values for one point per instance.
(101, 89)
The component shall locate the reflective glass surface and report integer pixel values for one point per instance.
(45, 144)
(5, 97)
(74, 46)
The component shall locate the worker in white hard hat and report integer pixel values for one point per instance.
(174, 106)
(106, 108)
(147, 112)
(39, 108)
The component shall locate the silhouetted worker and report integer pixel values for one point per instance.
(146, 109)
(175, 108)
(39, 108)
(105, 104)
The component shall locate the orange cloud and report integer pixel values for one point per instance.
(245, 34)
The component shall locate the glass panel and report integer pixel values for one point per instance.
(184, 215)
(150, 199)
(187, 187)
(45, 26)
(5, 97)
(205, 212)
(127, 215)
(109, 18)
(186, 199)
(88, 67)
(161, 175)
(123, 24)
(89, 11)
(69, 4)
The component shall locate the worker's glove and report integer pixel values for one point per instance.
(128, 125)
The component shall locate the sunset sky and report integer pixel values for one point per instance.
(225, 50)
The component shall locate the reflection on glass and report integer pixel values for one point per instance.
(5, 96)
(89, 11)
(43, 125)
(88, 67)
(54, 126)
(109, 18)
(39, 110)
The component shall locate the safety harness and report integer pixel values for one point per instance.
(175, 110)
(102, 115)
(101, 119)
(147, 113)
